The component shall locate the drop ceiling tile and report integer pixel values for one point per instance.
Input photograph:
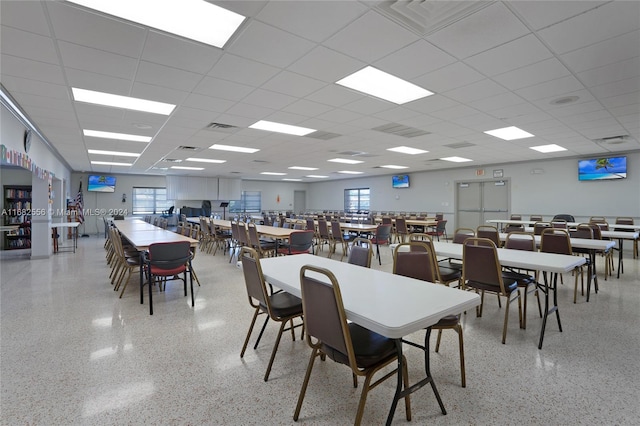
(250, 111)
(610, 73)
(165, 49)
(28, 16)
(431, 103)
(313, 20)
(616, 88)
(478, 32)
(396, 114)
(157, 93)
(531, 75)
(540, 15)
(93, 60)
(610, 51)
(475, 91)
(95, 30)
(455, 112)
(172, 78)
(368, 105)
(587, 28)
(414, 60)
(514, 111)
(334, 95)
(23, 85)
(34, 70)
(524, 51)
(497, 102)
(449, 77)
(241, 70)
(326, 65)
(339, 116)
(27, 45)
(207, 103)
(307, 108)
(622, 100)
(370, 38)
(558, 87)
(293, 84)
(269, 45)
(269, 99)
(224, 89)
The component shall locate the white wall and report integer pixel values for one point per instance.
(553, 189)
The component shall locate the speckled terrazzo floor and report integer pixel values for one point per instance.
(73, 353)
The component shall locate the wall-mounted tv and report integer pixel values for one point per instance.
(604, 168)
(101, 183)
(400, 181)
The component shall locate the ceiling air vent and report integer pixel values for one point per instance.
(172, 160)
(325, 136)
(260, 161)
(401, 130)
(188, 148)
(613, 140)
(460, 145)
(220, 127)
(356, 154)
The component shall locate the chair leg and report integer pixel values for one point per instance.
(305, 383)
(458, 330)
(246, 340)
(274, 350)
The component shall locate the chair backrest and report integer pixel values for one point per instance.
(480, 263)
(538, 227)
(567, 217)
(441, 226)
(361, 252)
(597, 219)
(311, 225)
(300, 241)
(417, 262)
(419, 236)
(253, 278)
(624, 221)
(555, 240)
(490, 232)
(180, 228)
(336, 231)
(462, 234)
(536, 218)
(520, 241)
(243, 236)
(516, 217)
(254, 239)
(559, 223)
(583, 230)
(382, 233)
(401, 225)
(386, 220)
(169, 255)
(324, 318)
(170, 211)
(186, 230)
(323, 229)
(439, 216)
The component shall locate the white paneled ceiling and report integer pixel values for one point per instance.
(490, 64)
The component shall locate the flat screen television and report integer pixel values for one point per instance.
(101, 183)
(400, 181)
(604, 168)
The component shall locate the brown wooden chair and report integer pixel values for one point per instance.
(490, 232)
(262, 247)
(337, 237)
(329, 334)
(622, 220)
(417, 259)
(281, 307)
(555, 240)
(481, 271)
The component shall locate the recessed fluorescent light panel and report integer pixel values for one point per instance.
(302, 168)
(345, 161)
(391, 166)
(117, 153)
(193, 19)
(456, 159)
(187, 168)
(117, 136)
(317, 176)
(281, 128)
(205, 160)
(378, 83)
(117, 101)
(273, 173)
(110, 163)
(349, 172)
(407, 150)
(293, 180)
(548, 148)
(509, 133)
(234, 148)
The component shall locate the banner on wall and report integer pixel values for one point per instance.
(16, 158)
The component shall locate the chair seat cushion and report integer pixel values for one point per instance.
(370, 347)
(521, 279)
(285, 304)
(166, 272)
(448, 321)
(509, 285)
(449, 274)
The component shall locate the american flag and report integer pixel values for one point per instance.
(79, 205)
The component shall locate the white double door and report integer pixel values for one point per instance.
(476, 202)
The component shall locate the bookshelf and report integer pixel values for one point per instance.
(17, 211)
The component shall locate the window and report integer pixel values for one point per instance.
(150, 200)
(250, 202)
(356, 200)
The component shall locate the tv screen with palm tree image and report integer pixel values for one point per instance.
(602, 168)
